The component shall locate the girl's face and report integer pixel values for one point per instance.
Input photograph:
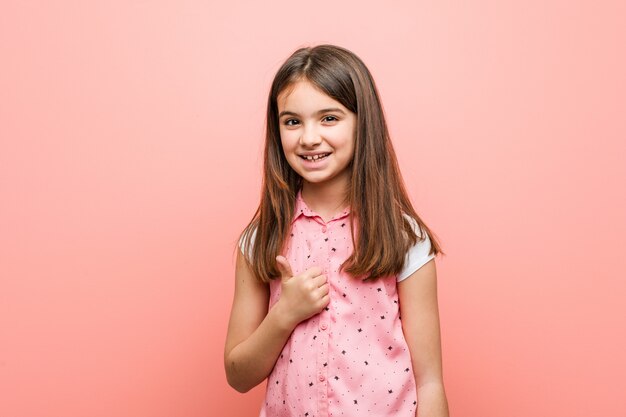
(317, 134)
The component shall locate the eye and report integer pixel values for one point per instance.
(289, 120)
(331, 117)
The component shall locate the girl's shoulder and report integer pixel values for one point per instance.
(415, 226)
(246, 241)
(418, 254)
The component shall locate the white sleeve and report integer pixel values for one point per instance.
(241, 240)
(417, 255)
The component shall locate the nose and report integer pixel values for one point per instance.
(310, 137)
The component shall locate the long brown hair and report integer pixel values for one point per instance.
(377, 196)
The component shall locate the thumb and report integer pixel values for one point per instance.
(284, 267)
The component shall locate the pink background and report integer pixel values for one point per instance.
(130, 139)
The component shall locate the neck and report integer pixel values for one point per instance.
(326, 198)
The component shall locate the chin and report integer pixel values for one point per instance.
(313, 180)
(317, 180)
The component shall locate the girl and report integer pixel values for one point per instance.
(334, 257)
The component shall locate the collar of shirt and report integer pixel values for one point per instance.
(303, 210)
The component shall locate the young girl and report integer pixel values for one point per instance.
(335, 295)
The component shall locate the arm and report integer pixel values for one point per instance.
(420, 324)
(255, 336)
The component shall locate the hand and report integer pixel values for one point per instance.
(301, 296)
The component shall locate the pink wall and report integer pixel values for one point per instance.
(130, 138)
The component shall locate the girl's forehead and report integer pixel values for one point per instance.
(304, 94)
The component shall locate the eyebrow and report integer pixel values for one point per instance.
(332, 109)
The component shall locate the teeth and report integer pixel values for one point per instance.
(315, 157)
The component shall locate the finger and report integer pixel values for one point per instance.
(313, 272)
(325, 300)
(323, 290)
(319, 280)
(284, 267)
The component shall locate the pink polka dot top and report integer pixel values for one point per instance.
(350, 360)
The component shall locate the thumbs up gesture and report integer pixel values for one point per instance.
(304, 295)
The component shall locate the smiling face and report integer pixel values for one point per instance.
(317, 134)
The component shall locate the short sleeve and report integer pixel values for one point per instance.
(241, 242)
(418, 254)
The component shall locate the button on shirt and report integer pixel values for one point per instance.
(351, 359)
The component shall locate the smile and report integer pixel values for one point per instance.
(315, 157)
